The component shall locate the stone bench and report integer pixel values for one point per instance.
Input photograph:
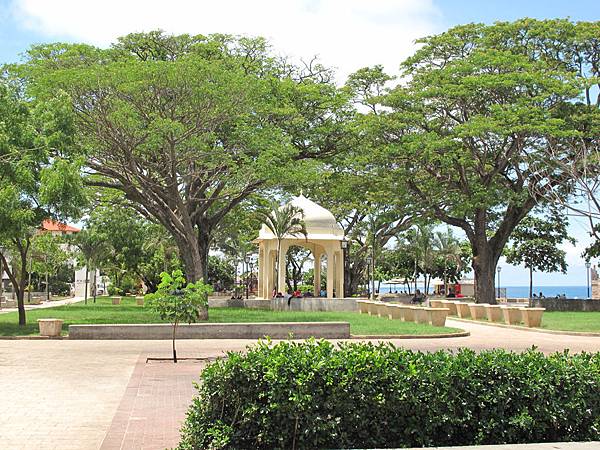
(116, 300)
(396, 312)
(437, 316)
(478, 310)
(494, 313)
(381, 309)
(139, 300)
(532, 317)
(436, 303)
(50, 327)
(451, 305)
(34, 301)
(363, 306)
(512, 314)
(462, 310)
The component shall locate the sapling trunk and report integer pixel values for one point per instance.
(174, 350)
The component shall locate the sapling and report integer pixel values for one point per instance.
(178, 302)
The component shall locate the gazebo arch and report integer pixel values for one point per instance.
(324, 237)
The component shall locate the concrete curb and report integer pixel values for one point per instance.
(534, 330)
(239, 330)
(32, 338)
(413, 336)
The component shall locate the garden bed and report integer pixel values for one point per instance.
(103, 312)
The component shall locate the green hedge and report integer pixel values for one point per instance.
(359, 395)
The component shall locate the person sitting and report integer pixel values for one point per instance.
(418, 297)
(534, 296)
(451, 293)
(297, 294)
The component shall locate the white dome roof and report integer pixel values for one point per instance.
(320, 223)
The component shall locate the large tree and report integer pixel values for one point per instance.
(468, 131)
(187, 127)
(39, 177)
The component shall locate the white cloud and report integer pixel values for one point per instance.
(346, 34)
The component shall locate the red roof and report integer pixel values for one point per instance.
(51, 225)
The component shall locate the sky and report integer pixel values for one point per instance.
(344, 34)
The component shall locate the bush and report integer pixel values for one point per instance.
(361, 395)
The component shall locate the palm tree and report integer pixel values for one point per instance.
(287, 220)
(448, 246)
(92, 249)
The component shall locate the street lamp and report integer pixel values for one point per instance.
(499, 269)
(247, 261)
(344, 246)
(369, 262)
(587, 273)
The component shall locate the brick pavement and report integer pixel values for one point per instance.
(78, 394)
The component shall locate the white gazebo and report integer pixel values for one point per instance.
(324, 239)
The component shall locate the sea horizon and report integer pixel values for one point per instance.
(575, 291)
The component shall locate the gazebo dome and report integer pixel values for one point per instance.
(320, 223)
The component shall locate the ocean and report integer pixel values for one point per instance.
(517, 291)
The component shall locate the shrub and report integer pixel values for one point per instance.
(361, 395)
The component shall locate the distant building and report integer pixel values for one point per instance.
(57, 228)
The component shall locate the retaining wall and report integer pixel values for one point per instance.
(314, 304)
(565, 304)
(276, 330)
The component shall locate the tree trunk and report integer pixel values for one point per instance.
(20, 291)
(530, 282)
(174, 350)
(484, 266)
(85, 294)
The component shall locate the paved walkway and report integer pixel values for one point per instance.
(51, 304)
(61, 394)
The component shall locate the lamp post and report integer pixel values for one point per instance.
(369, 262)
(247, 261)
(344, 245)
(499, 269)
(587, 273)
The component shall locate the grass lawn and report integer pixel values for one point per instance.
(571, 321)
(128, 312)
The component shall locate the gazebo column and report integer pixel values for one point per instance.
(281, 271)
(339, 267)
(330, 274)
(317, 274)
(261, 265)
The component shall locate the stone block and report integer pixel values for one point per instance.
(436, 303)
(437, 316)
(463, 310)
(478, 310)
(50, 327)
(421, 315)
(139, 301)
(494, 313)
(532, 317)
(512, 314)
(396, 312)
(451, 305)
(116, 300)
(363, 306)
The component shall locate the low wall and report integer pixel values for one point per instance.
(276, 330)
(314, 304)
(565, 304)
(253, 303)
